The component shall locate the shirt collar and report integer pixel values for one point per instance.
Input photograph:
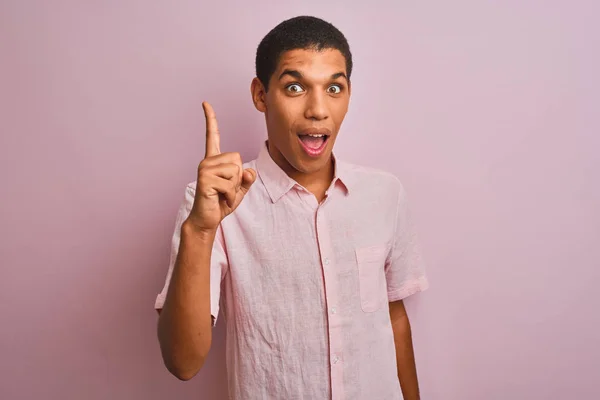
(278, 183)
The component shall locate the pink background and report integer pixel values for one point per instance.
(488, 111)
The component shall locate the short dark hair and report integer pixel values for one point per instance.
(303, 32)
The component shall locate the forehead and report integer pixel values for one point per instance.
(312, 62)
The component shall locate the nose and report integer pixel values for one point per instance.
(316, 107)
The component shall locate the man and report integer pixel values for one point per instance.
(310, 256)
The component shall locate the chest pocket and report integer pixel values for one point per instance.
(371, 276)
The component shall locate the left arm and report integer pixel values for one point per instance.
(405, 356)
(405, 275)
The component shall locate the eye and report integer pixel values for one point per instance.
(334, 89)
(294, 88)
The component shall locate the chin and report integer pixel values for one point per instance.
(309, 165)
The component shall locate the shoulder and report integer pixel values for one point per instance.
(379, 181)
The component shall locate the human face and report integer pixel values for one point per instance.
(308, 96)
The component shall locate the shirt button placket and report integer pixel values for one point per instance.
(331, 298)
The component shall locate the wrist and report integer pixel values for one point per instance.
(192, 231)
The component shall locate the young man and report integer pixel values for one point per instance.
(310, 256)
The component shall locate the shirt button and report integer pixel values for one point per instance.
(327, 261)
(335, 359)
(333, 310)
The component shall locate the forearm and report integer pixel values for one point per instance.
(405, 358)
(185, 326)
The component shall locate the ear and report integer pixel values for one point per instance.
(259, 95)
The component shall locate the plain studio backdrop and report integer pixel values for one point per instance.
(488, 111)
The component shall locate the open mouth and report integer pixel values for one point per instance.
(313, 141)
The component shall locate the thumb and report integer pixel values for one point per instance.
(248, 178)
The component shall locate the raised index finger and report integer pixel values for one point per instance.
(212, 131)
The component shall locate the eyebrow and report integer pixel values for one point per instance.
(298, 74)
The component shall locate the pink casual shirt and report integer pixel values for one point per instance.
(304, 287)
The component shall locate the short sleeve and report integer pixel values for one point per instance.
(404, 269)
(218, 264)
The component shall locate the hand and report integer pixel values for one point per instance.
(222, 182)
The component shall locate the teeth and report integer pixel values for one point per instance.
(316, 135)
